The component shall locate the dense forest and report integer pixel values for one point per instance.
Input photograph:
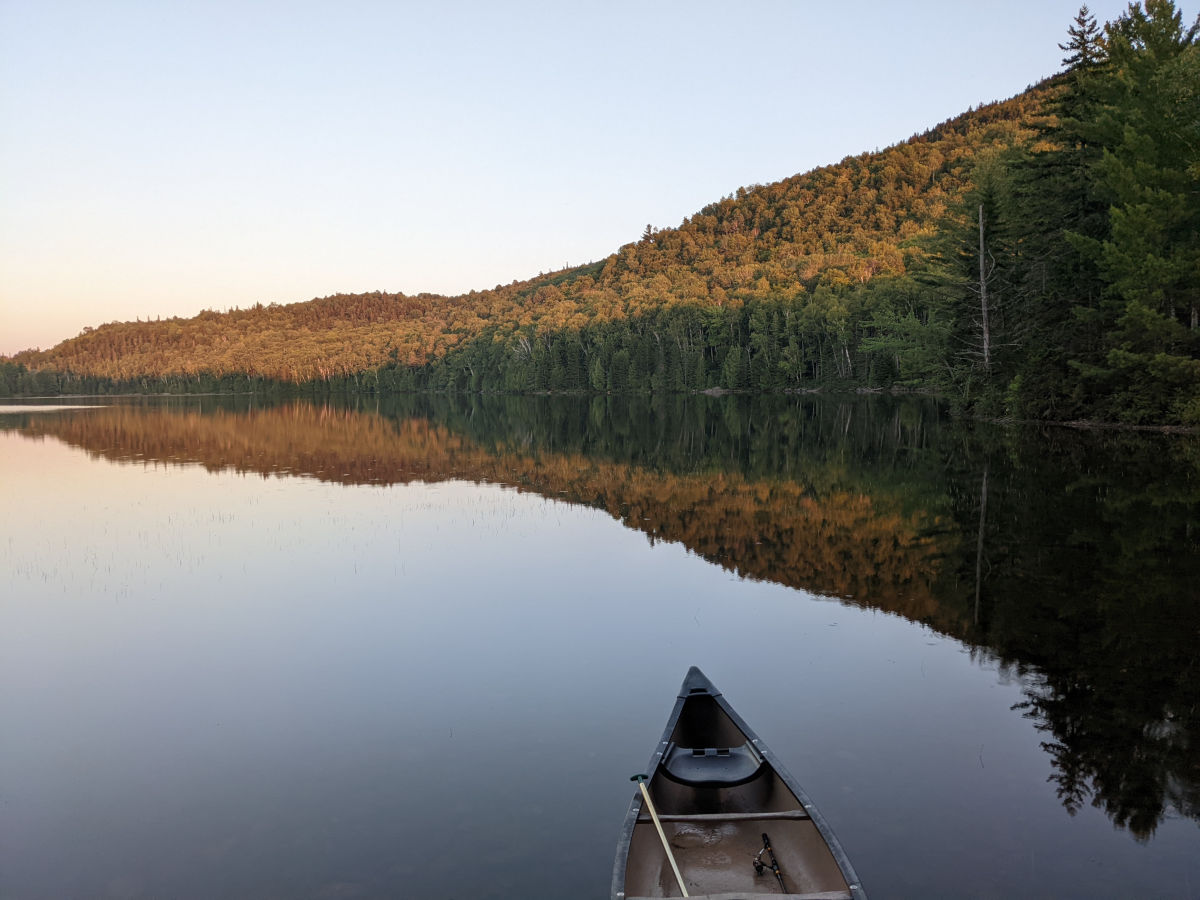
(1033, 258)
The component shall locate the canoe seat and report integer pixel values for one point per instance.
(711, 766)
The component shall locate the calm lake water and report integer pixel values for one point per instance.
(416, 647)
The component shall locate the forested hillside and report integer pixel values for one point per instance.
(1038, 257)
(835, 226)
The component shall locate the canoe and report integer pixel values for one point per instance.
(737, 824)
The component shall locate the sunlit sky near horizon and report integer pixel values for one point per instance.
(159, 159)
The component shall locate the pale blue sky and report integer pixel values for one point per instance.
(161, 158)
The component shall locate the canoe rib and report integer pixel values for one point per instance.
(715, 826)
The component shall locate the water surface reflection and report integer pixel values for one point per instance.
(1072, 560)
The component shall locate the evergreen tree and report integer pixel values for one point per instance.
(1085, 43)
(597, 377)
(1149, 172)
(1055, 205)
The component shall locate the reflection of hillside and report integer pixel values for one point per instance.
(839, 542)
(1074, 559)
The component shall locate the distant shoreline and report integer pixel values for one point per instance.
(1075, 425)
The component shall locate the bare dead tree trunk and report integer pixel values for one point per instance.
(983, 498)
(983, 297)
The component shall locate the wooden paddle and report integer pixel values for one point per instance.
(662, 836)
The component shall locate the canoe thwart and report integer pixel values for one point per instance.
(741, 895)
(732, 816)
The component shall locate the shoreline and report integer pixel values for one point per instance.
(1075, 424)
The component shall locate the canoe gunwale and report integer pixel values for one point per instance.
(696, 683)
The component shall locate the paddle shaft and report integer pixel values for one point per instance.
(662, 835)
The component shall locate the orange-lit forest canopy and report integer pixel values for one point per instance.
(839, 225)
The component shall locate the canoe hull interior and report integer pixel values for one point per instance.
(717, 790)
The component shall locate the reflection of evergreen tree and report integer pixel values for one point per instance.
(1092, 588)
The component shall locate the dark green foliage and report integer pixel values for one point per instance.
(766, 345)
(1141, 362)
(1097, 248)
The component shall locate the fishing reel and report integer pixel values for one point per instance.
(760, 867)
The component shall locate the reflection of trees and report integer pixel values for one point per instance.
(1082, 572)
(819, 530)
(1092, 589)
